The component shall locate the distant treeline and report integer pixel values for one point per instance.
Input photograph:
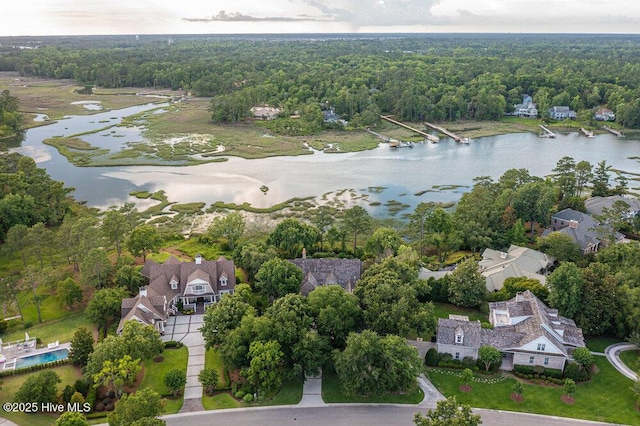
(444, 77)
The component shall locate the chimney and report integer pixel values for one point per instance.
(198, 259)
(304, 253)
(143, 291)
(573, 224)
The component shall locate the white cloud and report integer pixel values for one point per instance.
(171, 16)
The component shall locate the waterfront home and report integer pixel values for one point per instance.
(525, 330)
(562, 113)
(526, 109)
(583, 229)
(319, 272)
(604, 114)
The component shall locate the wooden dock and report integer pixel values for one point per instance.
(586, 132)
(614, 131)
(444, 131)
(426, 135)
(547, 133)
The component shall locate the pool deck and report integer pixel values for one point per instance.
(15, 351)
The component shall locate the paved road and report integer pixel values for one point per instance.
(348, 415)
(613, 355)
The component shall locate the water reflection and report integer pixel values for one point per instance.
(405, 172)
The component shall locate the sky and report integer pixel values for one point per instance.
(81, 17)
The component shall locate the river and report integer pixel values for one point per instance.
(403, 172)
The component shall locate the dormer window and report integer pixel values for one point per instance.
(459, 338)
(223, 281)
(174, 285)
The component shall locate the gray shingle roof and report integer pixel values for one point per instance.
(345, 272)
(527, 319)
(447, 332)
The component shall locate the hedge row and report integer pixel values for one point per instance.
(32, 368)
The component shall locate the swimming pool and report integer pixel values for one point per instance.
(42, 358)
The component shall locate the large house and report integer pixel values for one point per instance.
(581, 227)
(596, 205)
(604, 114)
(319, 272)
(561, 113)
(526, 331)
(526, 109)
(497, 266)
(193, 285)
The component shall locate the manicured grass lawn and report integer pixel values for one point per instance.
(290, 393)
(332, 392)
(10, 385)
(600, 343)
(154, 373)
(631, 359)
(220, 401)
(607, 397)
(213, 359)
(50, 331)
(442, 310)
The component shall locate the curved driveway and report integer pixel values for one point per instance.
(613, 355)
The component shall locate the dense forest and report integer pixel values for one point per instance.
(415, 77)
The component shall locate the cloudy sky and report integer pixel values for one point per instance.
(61, 17)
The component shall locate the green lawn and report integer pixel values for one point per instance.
(442, 310)
(220, 401)
(50, 331)
(607, 397)
(10, 385)
(332, 392)
(213, 359)
(154, 373)
(631, 359)
(290, 393)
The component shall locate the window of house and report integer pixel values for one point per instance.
(459, 338)
(223, 281)
(174, 286)
(531, 359)
(541, 346)
(457, 355)
(546, 361)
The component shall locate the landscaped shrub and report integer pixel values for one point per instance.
(248, 398)
(67, 393)
(431, 358)
(523, 369)
(468, 361)
(445, 356)
(240, 394)
(3, 326)
(571, 371)
(82, 386)
(552, 372)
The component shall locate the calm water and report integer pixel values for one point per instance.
(403, 172)
(43, 358)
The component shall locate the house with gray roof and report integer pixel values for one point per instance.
(562, 112)
(496, 266)
(526, 109)
(526, 331)
(194, 285)
(596, 205)
(319, 272)
(581, 227)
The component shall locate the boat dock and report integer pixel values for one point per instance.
(586, 132)
(426, 135)
(614, 131)
(383, 137)
(444, 131)
(547, 133)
